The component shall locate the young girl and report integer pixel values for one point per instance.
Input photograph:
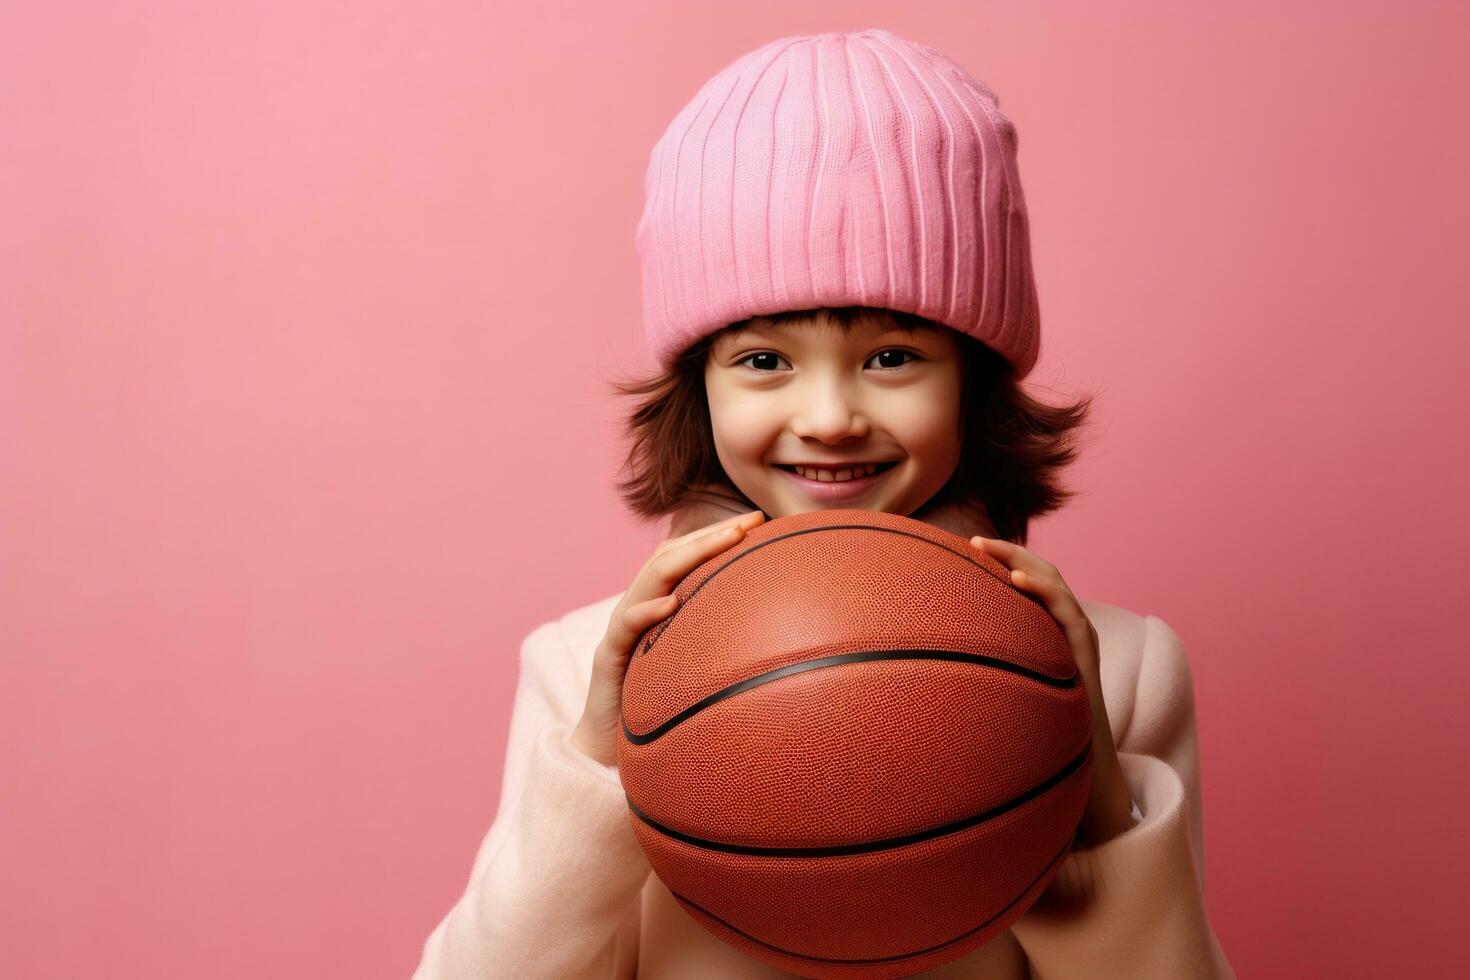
(837, 286)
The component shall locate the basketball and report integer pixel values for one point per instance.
(855, 749)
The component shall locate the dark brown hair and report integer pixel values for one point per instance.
(1013, 446)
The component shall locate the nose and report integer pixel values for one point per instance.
(828, 412)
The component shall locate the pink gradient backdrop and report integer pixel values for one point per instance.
(307, 316)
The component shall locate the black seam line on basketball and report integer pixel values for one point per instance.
(1056, 859)
(664, 623)
(958, 656)
(867, 847)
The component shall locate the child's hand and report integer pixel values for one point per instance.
(1108, 808)
(648, 600)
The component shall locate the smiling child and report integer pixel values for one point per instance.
(837, 288)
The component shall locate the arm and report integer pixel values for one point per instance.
(1134, 906)
(554, 891)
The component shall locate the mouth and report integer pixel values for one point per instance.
(825, 475)
(828, 488)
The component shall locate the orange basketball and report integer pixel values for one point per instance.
(855, 750)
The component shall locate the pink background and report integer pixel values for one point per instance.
(307, 317)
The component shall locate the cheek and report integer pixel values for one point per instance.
(739, 432)
(928, 430)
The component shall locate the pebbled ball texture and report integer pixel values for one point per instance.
(855, 750)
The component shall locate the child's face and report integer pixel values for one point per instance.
(805, 392)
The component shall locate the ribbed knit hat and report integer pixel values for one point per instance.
(842, 169)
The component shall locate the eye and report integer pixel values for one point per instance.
(889, 351)
(757, 370)
(897, 350)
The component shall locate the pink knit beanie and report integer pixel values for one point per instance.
(843, 169)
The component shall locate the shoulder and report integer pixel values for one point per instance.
(556, 657)
(1119, 631)
(585, 626)
(574, 634)
(1145, 670)
(1127, 635)
(1122, 638)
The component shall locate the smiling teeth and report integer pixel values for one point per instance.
(835, 476)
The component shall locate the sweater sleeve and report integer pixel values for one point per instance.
(1134, 906)
(554, 890)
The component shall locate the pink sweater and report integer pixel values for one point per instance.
(561, 889)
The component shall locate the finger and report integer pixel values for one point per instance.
(665, 569)
(654, 578)
(746, 520)
(668, 569)
(1062, 604)
(625, 628)
(1013, 555)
